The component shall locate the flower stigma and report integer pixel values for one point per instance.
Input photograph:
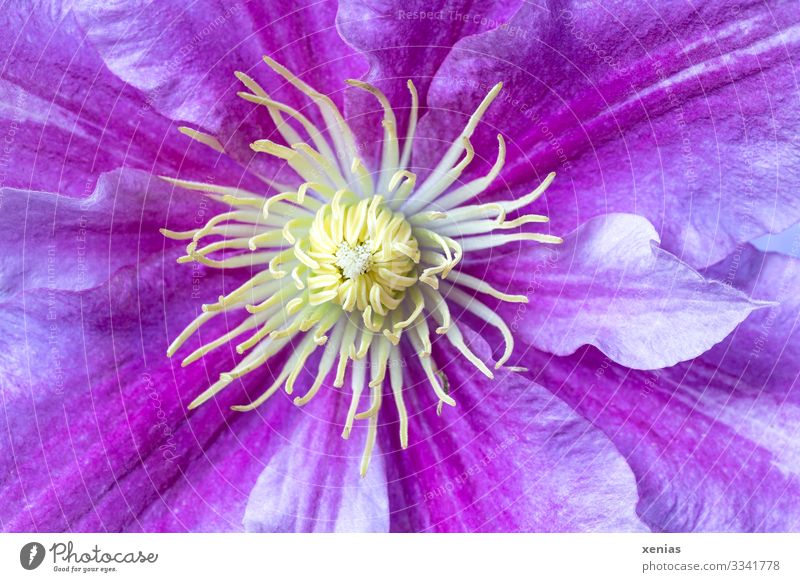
(359, 266)
(353, 261)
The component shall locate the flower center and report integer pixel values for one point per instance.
(361, 261)
(366, 256)
(354, 261)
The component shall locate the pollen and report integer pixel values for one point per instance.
(353, 261)
(361, 264)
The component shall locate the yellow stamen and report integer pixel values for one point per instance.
(203, 138)
(371, 254)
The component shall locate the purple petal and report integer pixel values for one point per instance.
(772, 359)
(95, 426)
(681, 113)
(408, 40)
(610, 286)
(184, 58)
(213, 489)
(66, 118)
(713, 442)
(509, 457)
(65, 243)
(312, 482)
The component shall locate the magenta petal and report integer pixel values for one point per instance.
(312, 481)
(232, 449)
(95, 425)
(509, 457)
(407, 40)
(681, 112)
(67, 119)
(610, 286)
(410, 40)
(66, 243)
(713, 442)
(184, 58)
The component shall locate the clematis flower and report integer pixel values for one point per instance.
(361, 192)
